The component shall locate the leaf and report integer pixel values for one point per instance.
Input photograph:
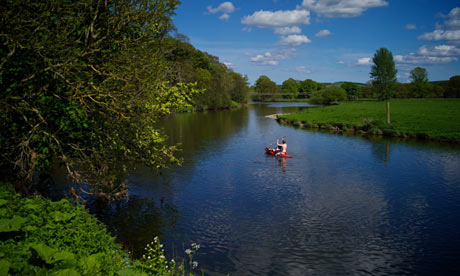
(44, 252)
(10, 225)
(3, 202)
(4, 267)
(91, 263)
(59, 216)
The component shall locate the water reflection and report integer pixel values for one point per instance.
(344, 205)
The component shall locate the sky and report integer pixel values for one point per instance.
(325, 40)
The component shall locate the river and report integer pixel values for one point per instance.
(343, 205)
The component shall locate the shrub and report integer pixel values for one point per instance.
(328, 96)
(41, 237)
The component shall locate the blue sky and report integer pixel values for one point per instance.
(325, 40)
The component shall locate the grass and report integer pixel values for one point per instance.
(437, 119)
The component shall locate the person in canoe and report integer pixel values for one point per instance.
(282, 147)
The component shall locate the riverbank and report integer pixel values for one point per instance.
(42, 237)
(432, 119)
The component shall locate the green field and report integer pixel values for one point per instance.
(437, 119)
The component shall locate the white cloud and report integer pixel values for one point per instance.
(448, 31)
(411, 26)
(302, 69)
(439, 50)
(453, 19)
(288, 30)
(265, 59)
(224, 16)
(413, 59)
(341, 8)
(229, 65)
(294, 40)
(441, 35)
(225, 7)
(364, 61)
(269, 59)
(340, 62)
(278, 19)
(323, 33)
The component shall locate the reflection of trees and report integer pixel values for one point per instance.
(380, 149)
(192, 129)
(135, 222)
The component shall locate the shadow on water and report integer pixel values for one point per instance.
(343, 205)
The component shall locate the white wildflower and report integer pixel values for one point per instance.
(188, 251)
(195, 264)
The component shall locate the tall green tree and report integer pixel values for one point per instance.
(290, 88)
(453, 87)
(419, 74)
(264, 85)
(352, 89)
(82, 84)
(383, 73)
(419, 84)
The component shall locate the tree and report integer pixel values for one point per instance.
(419, 85)
(419, 74)
(453, 88)
(290, 88)
(383, 73)
(352, 89)
(264, 85)
(83, 85)
(329, 95)
(240, 89)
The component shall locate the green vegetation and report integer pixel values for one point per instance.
(267, 90)
(328, 96)
(383, 73)
(437, 119)
(221, 85)
(84, 83)
(40, 237)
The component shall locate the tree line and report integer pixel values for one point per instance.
(83, 84)
(418, 87)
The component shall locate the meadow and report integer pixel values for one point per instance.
(435, 119)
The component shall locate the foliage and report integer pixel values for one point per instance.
(453, 88)
(40, 237)
(264, 85)
(220, 84)
(83, 84)
(430, 118)
(309, 85)
(419, 85)
(352, 89)
(419, 74)
(290, 88)
(329, 95)
(383, 73)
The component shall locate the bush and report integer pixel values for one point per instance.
(41, 237)
(328, 96)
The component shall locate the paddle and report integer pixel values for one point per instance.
(275, 141)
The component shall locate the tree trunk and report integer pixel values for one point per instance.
(388, 111)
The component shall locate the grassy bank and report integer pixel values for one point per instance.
(41, 237)
(437, 119)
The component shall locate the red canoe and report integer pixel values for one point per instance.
(272, 152)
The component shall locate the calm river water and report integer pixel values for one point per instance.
(343, 205)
